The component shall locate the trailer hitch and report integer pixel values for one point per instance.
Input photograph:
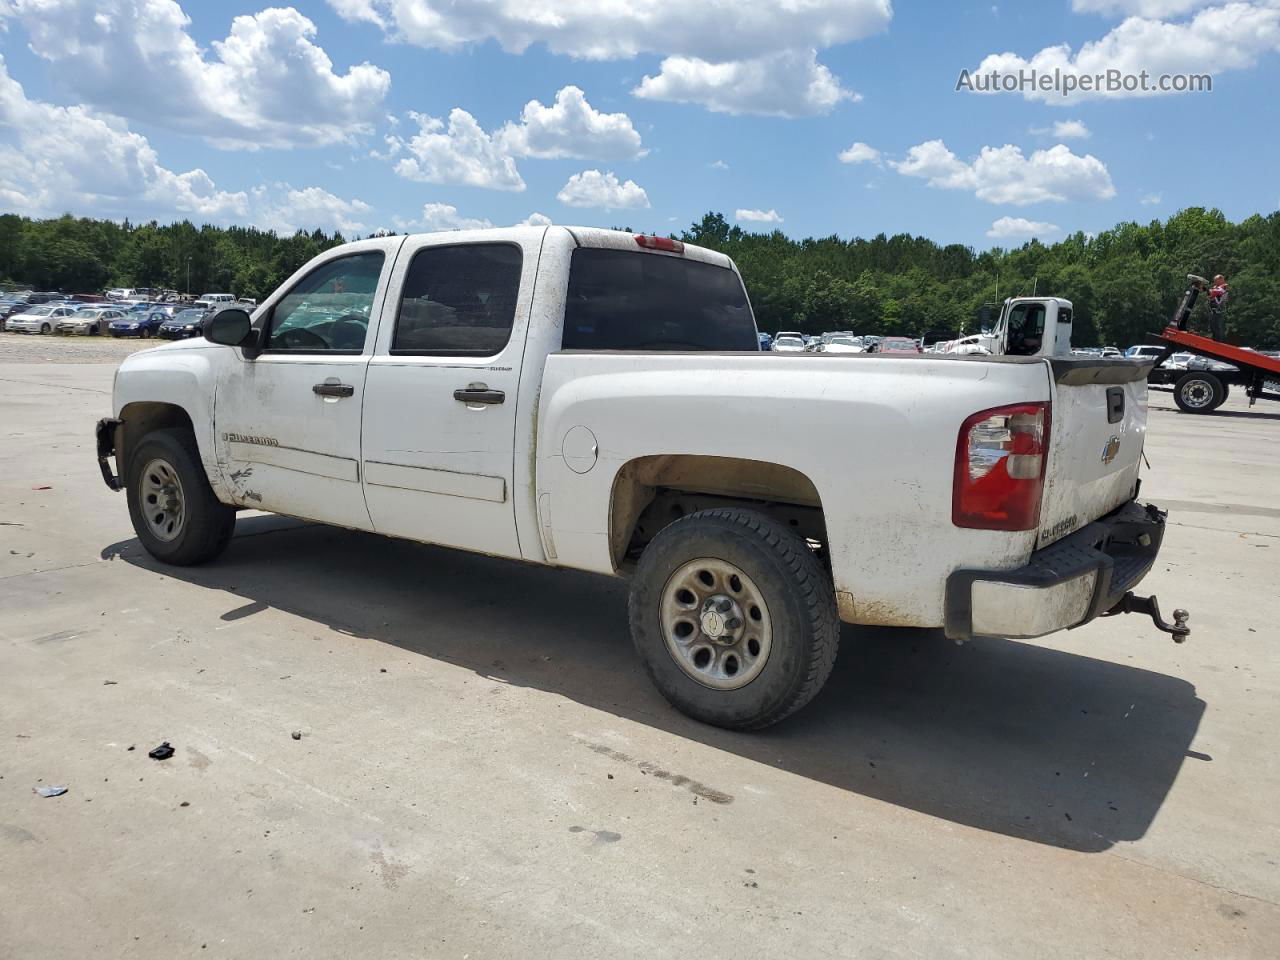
(1131, 603)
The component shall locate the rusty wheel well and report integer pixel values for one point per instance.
(140, 418)
(651, 492)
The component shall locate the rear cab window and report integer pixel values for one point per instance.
(624, 300)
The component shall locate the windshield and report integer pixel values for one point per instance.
(846, 341)
(189, 316)
(40, 311)
(620, 300)
(85, 314)
(788, 342)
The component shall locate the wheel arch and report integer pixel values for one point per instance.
(651, 492)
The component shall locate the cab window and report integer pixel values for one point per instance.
(328, 310)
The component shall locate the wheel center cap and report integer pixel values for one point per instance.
(712, 624)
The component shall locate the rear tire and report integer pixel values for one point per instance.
(1198, 392)
(756, 574)
(174, 511)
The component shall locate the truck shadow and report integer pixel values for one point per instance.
(1014, 738)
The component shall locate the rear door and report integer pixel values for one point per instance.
(440, 402)
(1098, 428)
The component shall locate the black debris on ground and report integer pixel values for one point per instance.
(162, 752)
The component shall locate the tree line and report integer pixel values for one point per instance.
(1124, 282)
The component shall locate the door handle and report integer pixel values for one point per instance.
(479, 393)
(333, 389)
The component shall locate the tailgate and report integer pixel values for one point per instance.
(1095, 442)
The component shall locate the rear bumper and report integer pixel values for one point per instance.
(1065, 585)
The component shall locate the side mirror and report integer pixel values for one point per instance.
(230, 327)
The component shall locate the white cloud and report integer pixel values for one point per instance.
(535, 220)
(718, 165)
(613, 30)
(591, 188)
(1150, 199)
(1158, 9)
(571, 127)
(757, 216)
(1231, 36)
(1012, 228)
(710, 47)
(1071, 130)
(441, 216)
(787, 84)
(860, 152)
(287, 210)
(1005, 175)
(462, 154)
(266, 84)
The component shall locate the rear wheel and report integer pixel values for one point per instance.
(1198, 392)
(734, 618)
(174, 511)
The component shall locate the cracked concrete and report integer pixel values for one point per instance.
(484, 769)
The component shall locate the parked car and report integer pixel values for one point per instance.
(88, 321)
(788, 343)
(183, 324)
(1144, 351)
(141, 323)
(40, 319)
(766, 341)
(431, 409)
(897, 345)
(214, 299)
(842, 344)
(1112, 353)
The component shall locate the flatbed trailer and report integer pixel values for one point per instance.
(1203, 391)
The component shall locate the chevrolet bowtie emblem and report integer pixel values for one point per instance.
(1110, 449)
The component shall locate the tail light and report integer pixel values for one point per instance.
(659, 243)
(1000, 460)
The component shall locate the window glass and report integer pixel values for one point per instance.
(619, 300)
(459, 300)
(1026, 328)
(329, 308)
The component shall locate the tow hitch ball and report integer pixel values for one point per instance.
(1130, 603)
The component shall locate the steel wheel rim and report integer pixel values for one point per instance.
(716, 624)
(163, 503)
(1197, 394)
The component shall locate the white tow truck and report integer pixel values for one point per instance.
(1028, 327)
(597, 400)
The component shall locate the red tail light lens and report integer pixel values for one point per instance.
(1000, 460)
(660, 243)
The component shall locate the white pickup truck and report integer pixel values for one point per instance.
(597, 400)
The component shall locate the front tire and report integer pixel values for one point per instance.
(734, 618)
(46, 329)
(1198, 392)
(174, 511)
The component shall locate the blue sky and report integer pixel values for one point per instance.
(411, 114)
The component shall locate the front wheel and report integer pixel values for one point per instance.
(46, 329)
(734, 618)
(174, 511)
(1198, 392)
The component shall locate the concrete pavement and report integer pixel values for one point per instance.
(485, 771)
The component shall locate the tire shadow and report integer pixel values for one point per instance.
(1053, 747)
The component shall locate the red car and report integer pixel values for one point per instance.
(897, 345)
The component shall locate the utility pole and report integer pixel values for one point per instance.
(188, 276)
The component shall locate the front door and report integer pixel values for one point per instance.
(440, 400)
(288, 421)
